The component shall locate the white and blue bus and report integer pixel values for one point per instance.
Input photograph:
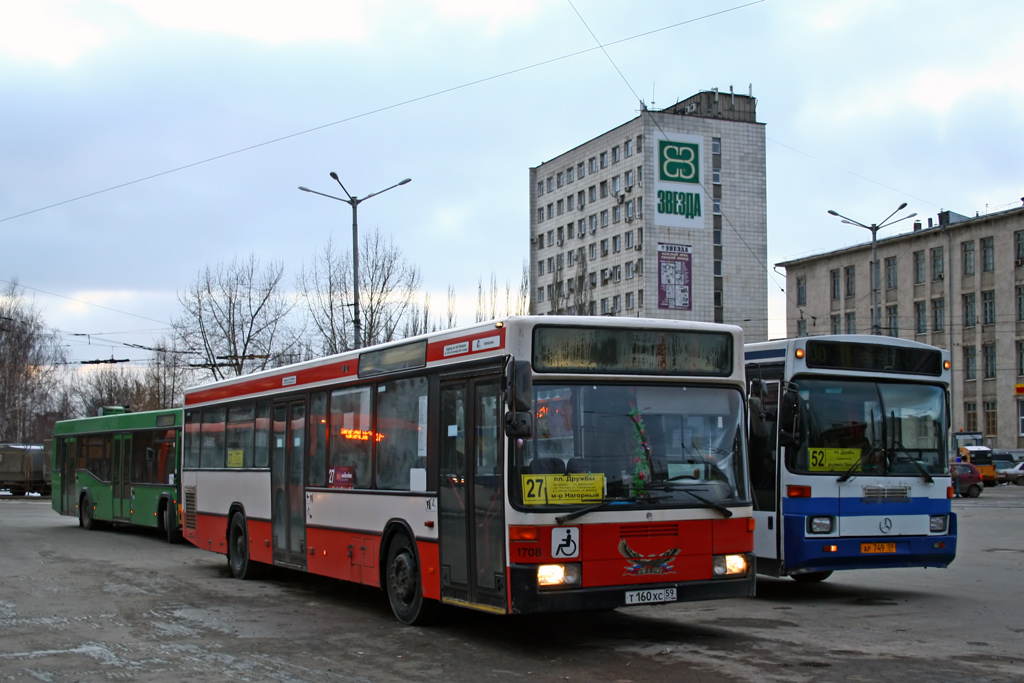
(849, 455)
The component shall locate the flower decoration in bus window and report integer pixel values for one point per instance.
(641, 457)
(360, 435)
(646, 565)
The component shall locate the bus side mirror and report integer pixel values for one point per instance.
(789, 419)
(519, 399)
(519, 386)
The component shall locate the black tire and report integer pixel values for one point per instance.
(241, 566)
(86, 514)
(973, 491)
(812, 577)
(171, 531)
(402, 582)
(1019, 481)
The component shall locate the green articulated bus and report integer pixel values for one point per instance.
(120, 468)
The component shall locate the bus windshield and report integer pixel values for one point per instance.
(869, 427)
(667, 444)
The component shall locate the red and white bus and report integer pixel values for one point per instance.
(531, 464)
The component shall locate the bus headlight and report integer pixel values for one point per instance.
(559, 576)
(728, 565)
(937, 523)
(820, 525)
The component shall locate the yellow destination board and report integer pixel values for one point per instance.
(833, 459)
(560, 489)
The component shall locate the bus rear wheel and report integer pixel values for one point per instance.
(171, 531)
(812, 577)
(86, 514)
(241, 566)
(405, 591)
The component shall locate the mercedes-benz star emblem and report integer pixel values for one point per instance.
(885, 525)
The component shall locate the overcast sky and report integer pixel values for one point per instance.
(143, 140)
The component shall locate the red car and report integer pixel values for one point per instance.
(970, 479)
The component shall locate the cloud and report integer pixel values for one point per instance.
(50, 31)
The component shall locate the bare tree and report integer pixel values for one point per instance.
(387, 288)
(113, 386)
(32, 366)
(574, 295)
(234, 318)
(522, 305)
(168, 374)
(451, 312)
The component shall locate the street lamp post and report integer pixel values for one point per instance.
(354, 202)
(875, 273)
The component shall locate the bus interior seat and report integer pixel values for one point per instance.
(577, 466)
(547, 466)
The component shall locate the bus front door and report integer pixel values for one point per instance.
(68, 479)
(287, 478)
(121, 494)
(471, 495)
(765, 471)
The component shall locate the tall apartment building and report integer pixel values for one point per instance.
(957, 284)
(662, 217)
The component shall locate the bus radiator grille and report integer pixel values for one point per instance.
(648, 530)
(190, 507)
(886, 494)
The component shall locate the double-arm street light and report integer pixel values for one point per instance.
(875, 275)
(354, 202)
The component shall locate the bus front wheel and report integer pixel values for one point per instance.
(241, 566)
(405, 592)
(812, 577)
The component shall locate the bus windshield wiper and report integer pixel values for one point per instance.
(874, 447)
(606, 503)
(718, 507)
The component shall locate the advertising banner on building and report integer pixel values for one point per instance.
(675, 270)
(678, 181)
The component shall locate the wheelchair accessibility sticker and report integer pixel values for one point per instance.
(565, 542)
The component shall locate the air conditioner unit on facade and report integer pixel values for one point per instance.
(1019, 262)
(629, 188)
(941, 276)
(622, 198)
(639, 214)
(560, 241)
(690, 108)
(629, 219)
(639, 247)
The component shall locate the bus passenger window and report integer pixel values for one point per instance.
(351, 438)
(401, 436)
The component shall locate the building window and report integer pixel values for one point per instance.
(570, 258)
(581, 199)
(616, 244)
(801, 328)
(628, 146)
(920, 317)
(617, 303)
(593, 223)
(568, 174)
(579, 170)
(834, 277)
(629, 239)
(604, 162)
(988, 308)
(837, 324)
(991, 421)
(801, 290)
(592, 191)
(561, 207)
(938, 314)
(893, 319)
(938, 264)
(604, 247)
(560, 180)
(1020, 358)
(890, 272)
(570, 202)
(604, 189)
(967, 248)
(988, 354)
(593, 164)
(593, 251)
(851, 280)
(616, 214)
(970, 318)
(616, 154)
(988, 254)
(540, 215)
(717, 268)
(716, 176)
(1020, 302)
(970, 363)
(1020, 418)
(716, 206)
(918, 267)
(551, 238)
(540, 188)
(716, 145)
(629, 270)
(970, 416)
(1018, 247)
(540, 294)
(604, 218)
(551, 264)
(629, 179)
(551, 184)
(716, 237)
(604, 306)
(851, 323)
(629, 301)
(540, 267)
(551, 210)
(617, 184)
